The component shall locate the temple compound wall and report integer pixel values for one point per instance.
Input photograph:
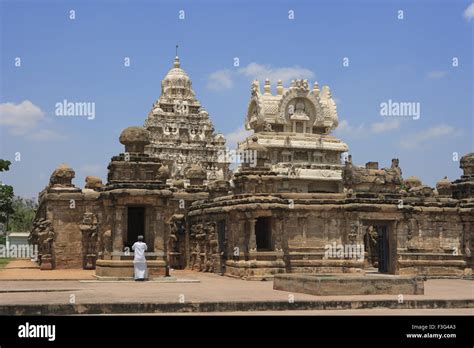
(297, 203)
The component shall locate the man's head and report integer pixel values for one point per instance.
(140, 238)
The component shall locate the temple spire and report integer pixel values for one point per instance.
(177, 63)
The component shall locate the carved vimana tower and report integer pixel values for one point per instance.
(295, 127)
(181, 132)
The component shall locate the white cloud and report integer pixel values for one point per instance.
(220, 79)
(20, 118)
(45, 135)
(224, 79)
(433, 133)
(286, 74)
(24, 118)
(469, 12)
(236, 136)
(357, 131)
(437, 74)
(345, 129)
(380, 127)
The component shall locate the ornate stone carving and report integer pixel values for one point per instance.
(62, 176)
(371, 179)
(176, 229)
(181, 108)
(354, 231)
(183, 131)
(255, 88)
(267, 126)
(90, 237)
(93, 182)
(43, 234)
(205, 247)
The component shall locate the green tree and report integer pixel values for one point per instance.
(6, 196)
(24, 211)
(4, 165)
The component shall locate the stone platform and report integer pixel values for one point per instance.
(326, 285)
(132, 280)
(211, 293)
(124, 269)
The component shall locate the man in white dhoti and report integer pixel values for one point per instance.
(139, 260)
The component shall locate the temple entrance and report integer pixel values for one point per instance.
(377, 246)
(382, 248)
(263, 234)
(135, 225)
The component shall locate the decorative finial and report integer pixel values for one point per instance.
(177, 63)
(316, 87)
(267, 86)
(279, 87)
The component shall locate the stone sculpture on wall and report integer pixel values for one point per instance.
(89, 229)
(353, 233)
(44, 236)
(205, 247)
(175, 242)
(370, 246)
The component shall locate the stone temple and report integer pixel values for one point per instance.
(294, 204)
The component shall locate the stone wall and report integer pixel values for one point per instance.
(421, 239)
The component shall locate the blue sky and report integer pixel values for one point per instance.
(82, 60)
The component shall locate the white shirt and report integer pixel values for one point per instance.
(139, 248)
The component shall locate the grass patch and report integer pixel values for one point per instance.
(4, 262)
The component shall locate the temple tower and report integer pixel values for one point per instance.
(181, 132)
(295, 126)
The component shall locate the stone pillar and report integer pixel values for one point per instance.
(304, 222)
(149, 227)
(278, 237)
(187, 244)
(240, 240)
(252, 246)
(159, 230)
(119, 228)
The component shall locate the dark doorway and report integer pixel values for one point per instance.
(136, 225)
(263, 234)
(370, 246)
(382, 246)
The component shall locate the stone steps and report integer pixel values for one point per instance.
(202, 307)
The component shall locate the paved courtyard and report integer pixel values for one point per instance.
(57, 287)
